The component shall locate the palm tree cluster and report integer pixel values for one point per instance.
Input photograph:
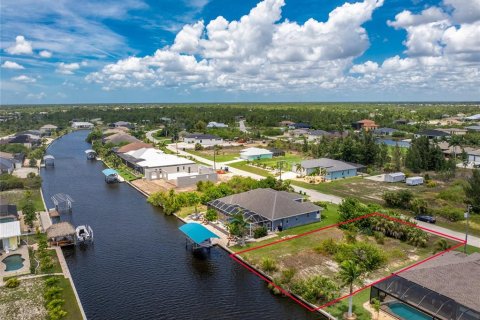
(400, 231)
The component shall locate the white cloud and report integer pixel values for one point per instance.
(67, 68)
(256, 52)
(367, 67)
(36, 96)
(12, 65)
(24, 78)
(45, 54)
(21, 46)
(465, 11)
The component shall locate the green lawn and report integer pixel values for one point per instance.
(223, 155)
(16, 197)
(186, 211)
(71, 305)
(289, 159)
(245, 167)
(339, 308)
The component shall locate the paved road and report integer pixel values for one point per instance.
(473, 241)
(243, 128)
(150, 137)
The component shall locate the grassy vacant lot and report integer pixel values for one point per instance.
(245, 167)
(24, 302)
(16, 197)
(223, 155)
(289, 159)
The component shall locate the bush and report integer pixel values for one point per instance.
(449, 213)
(327, 247)
(379, 237)
(287, 275)
(431, 184)
(12, 283)
(52, 293)
(211, 215)
(398, 199)
(317, 289)
(260, 232)
(56, 313)
(268, 265)
(51, 282)
(368, 256)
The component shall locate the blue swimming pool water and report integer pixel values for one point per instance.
(13, 262)
(5, 220)
(406, 312)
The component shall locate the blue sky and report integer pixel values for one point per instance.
(207, 51)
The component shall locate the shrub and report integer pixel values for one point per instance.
(12, 283)
(287, 275)
(268, 264)
(379, 237)
(55, 303)
(327, 247)
(260, 232)
(52, 293)
(431, 184)
(368, 256)
(211, 215)
(317, 289)
(46, 263)
(449, 213)
(51, 282)
(56, 313)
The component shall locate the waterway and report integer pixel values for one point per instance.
(138, 267)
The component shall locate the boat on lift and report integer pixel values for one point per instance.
(84, 234)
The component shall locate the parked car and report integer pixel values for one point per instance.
(428, 219)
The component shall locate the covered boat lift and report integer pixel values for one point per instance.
(49, 160)
(197, 236)
(111, 175)
(62, 202)
(91, 154)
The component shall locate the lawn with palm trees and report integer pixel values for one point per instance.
(334, 262)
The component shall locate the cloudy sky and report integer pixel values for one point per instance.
(59, 51)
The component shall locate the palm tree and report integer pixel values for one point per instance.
(238, 227)
(298, 167)
(350, 273)
(441, 245)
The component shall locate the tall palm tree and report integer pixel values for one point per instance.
(350, 273)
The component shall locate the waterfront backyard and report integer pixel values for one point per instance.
(300, 263)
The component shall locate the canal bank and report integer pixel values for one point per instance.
(138, 267)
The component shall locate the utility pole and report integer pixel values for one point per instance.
(467, 216)
(214, 153)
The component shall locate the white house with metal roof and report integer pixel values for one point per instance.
(203, 139)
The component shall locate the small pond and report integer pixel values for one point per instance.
(13, 262)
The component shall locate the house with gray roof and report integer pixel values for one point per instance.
(333, 169)
(446, 287)
(473, 128)
(275, 210)
(384, 131)
(203, 139)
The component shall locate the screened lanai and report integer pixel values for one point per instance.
(398, 293)
(228, 210)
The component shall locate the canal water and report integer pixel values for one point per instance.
(138, 267)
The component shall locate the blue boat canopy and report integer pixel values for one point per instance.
(197, 232)
(109, 172)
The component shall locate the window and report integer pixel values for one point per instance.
(178, 169)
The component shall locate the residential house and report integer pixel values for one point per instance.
(275, 210)
(16, 158)
(48, 129)
(432, 134)
(297, 133)
(203, 139)
(313, 135)
(384, 131)
(78, 125)
(334, 169)
(454, 131)
(286, 123)
(6, 166)
(401, 122)
(134, 146)
(123, 124)
(155, 164)
(474, 156)
(255, 154)
(214, 124)
(365, 124)
(299, 125)
(277, 152)
(9, 235)
(119, 138)
(442, 288)
(8, 213)
(28, 140)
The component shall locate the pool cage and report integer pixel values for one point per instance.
(432, 304)
(227, 210)
(63, 202)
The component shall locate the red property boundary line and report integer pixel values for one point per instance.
(235, 256)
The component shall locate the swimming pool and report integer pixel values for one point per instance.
(406, 312)
(13, 262)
